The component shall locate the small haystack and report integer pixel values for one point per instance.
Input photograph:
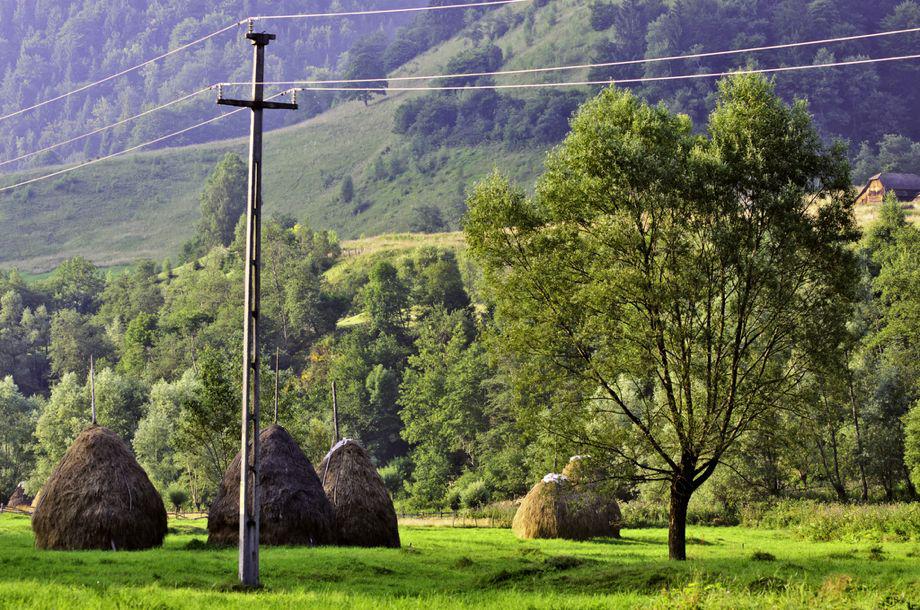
(555, 508)
(19, 499)
(98, 497)
(294, 509)
(589, 477)
(364, 513)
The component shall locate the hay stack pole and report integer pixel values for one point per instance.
(92, 388)
(364, 512)
(99, 497)
(294, 508)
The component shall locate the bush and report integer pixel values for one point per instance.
(475, 494)
(825, 522)
(392, 480)
(177, 498)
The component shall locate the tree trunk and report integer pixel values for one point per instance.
(677, 520)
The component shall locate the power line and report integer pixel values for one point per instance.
(474, 87)
(388, 11)
(227, 28)
(107, 127)
(608, 64)
(624, 81)
(132, 149)
(122, 73)
(480, 74)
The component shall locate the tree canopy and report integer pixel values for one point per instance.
(676, 283)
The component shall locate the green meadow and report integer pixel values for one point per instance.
(444, 567)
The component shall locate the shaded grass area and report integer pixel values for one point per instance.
(451, 567)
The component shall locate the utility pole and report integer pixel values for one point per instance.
(249, 441)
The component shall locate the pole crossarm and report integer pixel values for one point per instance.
(257, 105)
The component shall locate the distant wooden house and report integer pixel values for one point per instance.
(906, 187)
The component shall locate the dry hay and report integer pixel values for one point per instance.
(556, 508)
(293, 508)
(589, 477)
(98, 497)
(364, 513)
(19, 498)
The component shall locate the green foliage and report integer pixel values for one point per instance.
(62, 418)
(470, 567)
(74, 338)
(598, 278)
(347, 190)
(177, 497)
(75, 284)
(386, 298)
(208, 429)
(912, 443)
(475, 495)
(832, 522)
(19, 415)
(365, 60)
(222, 202)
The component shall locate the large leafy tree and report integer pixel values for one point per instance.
(671, 284)
(223, 201)
(16, 456)
(365, 61)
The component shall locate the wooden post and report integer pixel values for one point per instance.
(249, 437)
(335, 416)
(92, 389)
(277, 367)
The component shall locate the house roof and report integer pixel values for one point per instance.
(907, 182)
(907, 186)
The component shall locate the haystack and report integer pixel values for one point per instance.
(19, 498)
(364, 513)
(98, 497)
(590, 477)
(555, 508)
(294, 509)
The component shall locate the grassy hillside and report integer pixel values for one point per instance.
(145, 205)
(441, 567)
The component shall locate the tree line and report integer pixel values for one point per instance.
(686, 308)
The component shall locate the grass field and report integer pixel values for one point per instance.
(442, 567)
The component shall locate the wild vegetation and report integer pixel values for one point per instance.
(146, 205)
(425, 342)
(481, 568)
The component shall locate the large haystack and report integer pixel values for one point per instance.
(19, 498)
(555, 508)
(294, 509)
(364, 513)
(99, 497)
(590, 477)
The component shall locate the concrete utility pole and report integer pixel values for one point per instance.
(249, 441)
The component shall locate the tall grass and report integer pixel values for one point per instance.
(821, 522)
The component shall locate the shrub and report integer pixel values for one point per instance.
(825, 522)
(177, 497)
(392, 479)
(475, 494)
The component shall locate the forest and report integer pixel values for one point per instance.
(410, 337)
(68, 43)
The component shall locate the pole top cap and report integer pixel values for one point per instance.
(260, 38)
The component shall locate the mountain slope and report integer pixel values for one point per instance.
(146, 205)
